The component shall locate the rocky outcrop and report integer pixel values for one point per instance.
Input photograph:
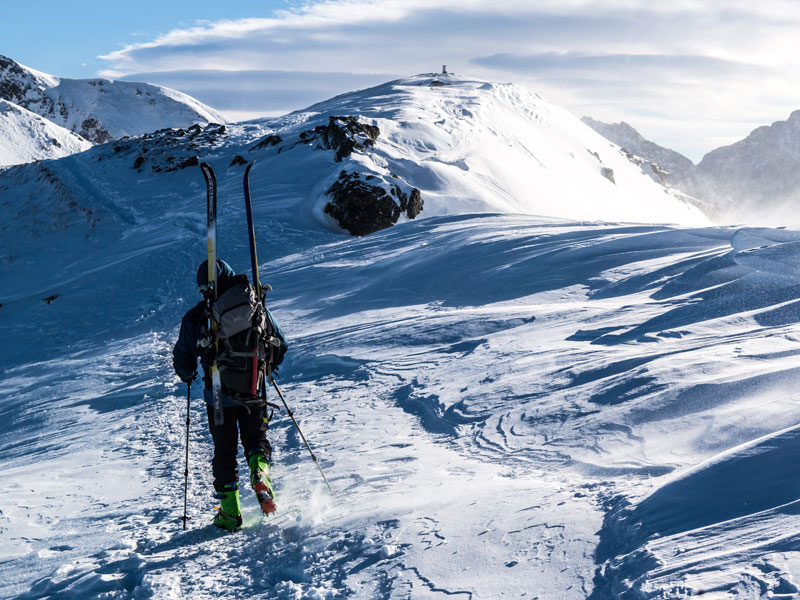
(267, 142)
(342, 134)
(363, 203)
(92, 129)
(169, 150)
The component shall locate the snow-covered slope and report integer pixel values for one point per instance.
(755, 180)
(27, 137)
(506, 405)
(475, 146)
(99, 109)
(625, 136)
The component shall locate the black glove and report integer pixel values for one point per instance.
(190, 378)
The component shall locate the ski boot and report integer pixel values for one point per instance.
(229, 514)
(261, 482)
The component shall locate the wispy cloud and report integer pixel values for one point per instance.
(243, 95)
(612, 59)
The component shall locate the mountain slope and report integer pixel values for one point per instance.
(474, 145)
(100, 110)
(625, 136)
(479, 389)
(756, 179)
(27, 137)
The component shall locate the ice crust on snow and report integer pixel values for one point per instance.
(507, 405)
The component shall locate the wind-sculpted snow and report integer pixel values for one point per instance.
(504, 405)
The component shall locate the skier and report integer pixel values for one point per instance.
(246, 419)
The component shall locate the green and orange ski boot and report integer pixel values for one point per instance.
(261, 482)
(229, 513)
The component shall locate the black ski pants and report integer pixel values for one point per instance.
(250, 424)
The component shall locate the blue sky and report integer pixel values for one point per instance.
(65, 37)
(689, 74)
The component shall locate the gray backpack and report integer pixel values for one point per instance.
(243, 330)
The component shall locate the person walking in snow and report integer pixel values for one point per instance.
(245, 410)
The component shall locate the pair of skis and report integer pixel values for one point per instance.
(211, 221)
(211, 196)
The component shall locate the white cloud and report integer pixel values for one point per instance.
(687, 68)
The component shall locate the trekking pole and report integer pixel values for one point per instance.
(310, 451)
(185, 518)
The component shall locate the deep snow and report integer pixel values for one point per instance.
(507, 405)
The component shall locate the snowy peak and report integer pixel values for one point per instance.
(469, 145)
(19, 83)
(100, 110)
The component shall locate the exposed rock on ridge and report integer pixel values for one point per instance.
(362, 205)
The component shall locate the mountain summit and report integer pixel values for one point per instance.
(470, 146)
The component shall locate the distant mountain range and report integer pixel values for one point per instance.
(96, 110)
(625, 136)
(755, 180)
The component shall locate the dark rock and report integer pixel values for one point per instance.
(346, 134)
(608, 174)
(363, 208)
(49, 299)
(343, 134)
(138, 162)
(92, 129)
(270, 140)
(238, 160)
(189, 162)
(414, 204)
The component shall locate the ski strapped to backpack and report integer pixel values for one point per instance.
(211, 293)
(241, 342)
(261, 291)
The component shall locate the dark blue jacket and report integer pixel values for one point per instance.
(185, 353)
